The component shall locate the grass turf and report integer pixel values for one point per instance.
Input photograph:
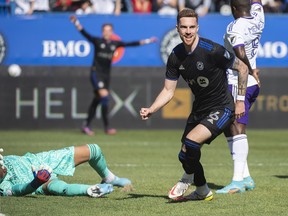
(149, 159)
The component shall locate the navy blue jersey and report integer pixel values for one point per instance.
(204, 70)
(104, 50)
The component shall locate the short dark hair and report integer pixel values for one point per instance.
(187, 12)
(107, 24)
(86, 1)
(241, 5)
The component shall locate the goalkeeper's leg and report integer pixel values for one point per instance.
(61, 188)
(93, 154)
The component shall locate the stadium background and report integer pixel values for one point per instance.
(53, 90)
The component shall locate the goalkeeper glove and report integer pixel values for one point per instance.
(42, 176)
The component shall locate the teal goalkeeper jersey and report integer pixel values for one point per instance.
(19, 171)
(19, 168)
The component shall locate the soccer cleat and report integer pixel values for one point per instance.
(110, 131)
(233, 187)
(194, 196)
(87, 131)
(119, 182)
(249, 183)
(99, 190)
(178, 189)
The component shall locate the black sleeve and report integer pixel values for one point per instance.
(172, 72)
(224, 59)
(126, 44)
(87, 35)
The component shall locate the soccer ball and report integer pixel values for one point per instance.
(14, 70)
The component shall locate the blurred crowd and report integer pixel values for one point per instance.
(116, 7)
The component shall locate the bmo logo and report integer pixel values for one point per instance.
(269, 49)
(72, 48)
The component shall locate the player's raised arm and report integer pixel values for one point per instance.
(76, 22)
(138, 43)
(81, 29)
(149, 40)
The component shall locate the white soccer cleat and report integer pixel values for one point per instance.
(99, 190)
(179, 189)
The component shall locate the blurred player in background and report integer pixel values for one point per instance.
(104, 48)
(202, 64)
(32, 173)
(242, 37)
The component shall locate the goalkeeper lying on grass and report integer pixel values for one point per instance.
(19, 177)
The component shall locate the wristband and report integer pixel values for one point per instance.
(77, 22)
(240, 98)
(147, 41)
(35, 183)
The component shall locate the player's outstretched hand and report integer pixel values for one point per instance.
(73, 18)
(153, 39)
(76, 22)
(1, 159)
(149, 40)
(41, 176)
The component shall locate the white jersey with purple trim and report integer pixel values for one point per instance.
(245, 31)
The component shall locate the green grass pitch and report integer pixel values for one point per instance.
(149, 159)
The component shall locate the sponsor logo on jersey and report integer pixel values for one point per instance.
(190, 81)
(202, 81)
(169, 41)
(2, 48)
(181, 67)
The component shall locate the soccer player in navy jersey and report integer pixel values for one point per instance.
(104, 48)
(202, 63)
(242, 37)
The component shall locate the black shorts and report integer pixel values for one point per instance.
(99, 80)
(216, 121)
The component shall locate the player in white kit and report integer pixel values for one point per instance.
(242, 37)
